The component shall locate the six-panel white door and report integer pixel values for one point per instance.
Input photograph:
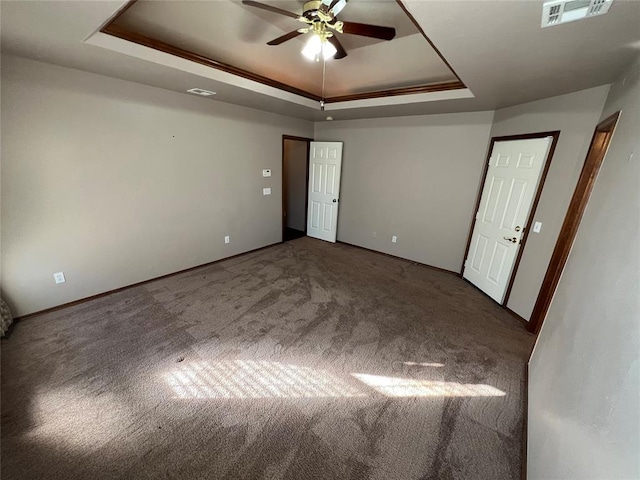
(512, 177)
(325, 163)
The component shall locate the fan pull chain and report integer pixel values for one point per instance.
(324, 72)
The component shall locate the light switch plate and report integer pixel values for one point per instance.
(537, 227)
(266, 172)
(59, 277)
(266, 191)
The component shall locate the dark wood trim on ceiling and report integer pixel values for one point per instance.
(534, 205)
(140, 39)
(415, 22)
(595, 156)
(119, 13)
(434, 87)
(110, 28)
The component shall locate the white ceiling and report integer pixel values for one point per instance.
(496, 47)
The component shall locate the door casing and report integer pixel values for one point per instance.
(595, 157)
(555, 134)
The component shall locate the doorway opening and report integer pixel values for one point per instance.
(295, 178)
(513, 179)
(595, 156)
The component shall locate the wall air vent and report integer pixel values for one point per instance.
(563, 11)
(201, 91)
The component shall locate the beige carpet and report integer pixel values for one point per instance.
(306, 360)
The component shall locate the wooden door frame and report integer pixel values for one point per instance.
(593, 162)
(284, 185)
(555, 134)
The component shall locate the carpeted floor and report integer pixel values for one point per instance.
(305, 360)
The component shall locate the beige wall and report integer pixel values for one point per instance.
(111, 174)
(295, 165)
(575, 115)
(114, 182)
(584, 384)
(413, 177)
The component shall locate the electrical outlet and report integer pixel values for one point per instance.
(266, 191)
(59, 277)
(266, 172)
(227, 239)
(394, 239)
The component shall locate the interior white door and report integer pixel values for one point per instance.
(512, 177)
(325, 163)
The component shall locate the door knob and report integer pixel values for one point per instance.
(518, 228)
(335, 200)
(511, 239)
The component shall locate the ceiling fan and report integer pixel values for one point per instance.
(321, 19)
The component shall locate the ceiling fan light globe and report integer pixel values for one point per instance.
(328, 50)
(313, 48)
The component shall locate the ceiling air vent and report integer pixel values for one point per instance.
(562, 11)
(201, 91)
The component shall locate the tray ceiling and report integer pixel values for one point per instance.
(498, 73)
(233, 37)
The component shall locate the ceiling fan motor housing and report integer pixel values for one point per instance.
(320, 17)
(311, 11)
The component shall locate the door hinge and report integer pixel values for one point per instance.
(477, 214)
(490, 161)
(465, 263)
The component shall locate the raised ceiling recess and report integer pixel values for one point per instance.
(233, 37)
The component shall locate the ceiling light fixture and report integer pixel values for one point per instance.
(322, 23)
(316, 47)
(319, 45)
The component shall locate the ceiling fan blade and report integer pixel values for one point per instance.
(341, 52)
(373, 31)
(284, 38)
(269, 8)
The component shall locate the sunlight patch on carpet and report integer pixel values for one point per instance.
(255, 379)
(242, 379)
(75, 418)
(424, 364)
(411, 387)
